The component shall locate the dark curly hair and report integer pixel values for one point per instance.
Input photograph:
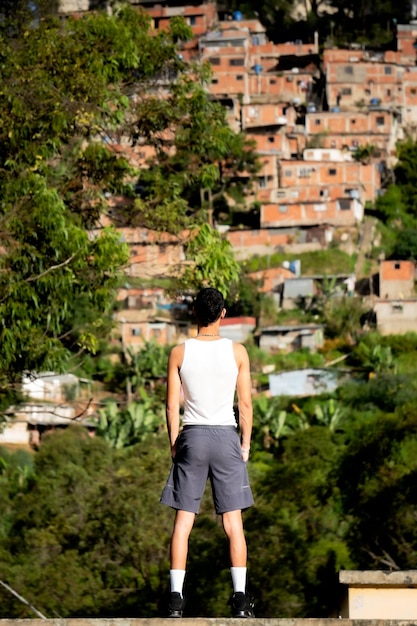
(208, 305)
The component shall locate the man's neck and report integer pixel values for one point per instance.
(209, 331)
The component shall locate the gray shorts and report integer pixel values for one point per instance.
(208, 452)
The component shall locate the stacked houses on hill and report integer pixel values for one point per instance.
(311, 116)
(325, 126)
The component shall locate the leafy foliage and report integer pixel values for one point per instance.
(83, 537)
(377, 477)
(340, 22)
(211, 261)
(198, 160)
(293, 532)
(123, 427)
(71, 91)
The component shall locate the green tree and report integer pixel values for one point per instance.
(211, 262)
(294, 533)
(377, 486)
(406, 245)
(343, 318)
(405, 174)
(84, 539)
(70, 91)
(198, 162)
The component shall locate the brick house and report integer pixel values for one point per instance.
(397, 279)
(317, 192)
(360, 76)
(348, 130)
(396, 309)
(406, 40)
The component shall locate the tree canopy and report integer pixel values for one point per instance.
(341, 22)
(72, 93)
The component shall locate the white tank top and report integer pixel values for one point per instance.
(208, 375)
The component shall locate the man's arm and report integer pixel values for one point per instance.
(244, 396)
(173, 395)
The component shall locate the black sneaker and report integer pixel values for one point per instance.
(176, 604)
(242, 605)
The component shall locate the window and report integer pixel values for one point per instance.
(388, 92)
(413, 91)
(287, 173)
(214, 81)
(262, 182)
(271, 139)
(305, 172)
(348, 69)
(236, 62)
(344, 204)
(283, 208)
(380, 120)
(239, 77)
(332, 171)
(192, 20)
(346, 91)
(387, 70)
(136, 332)
(214, 60)
(397, 266)
(272, 81)
(317, 122)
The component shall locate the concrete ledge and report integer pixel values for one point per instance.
(357, 578)
(379, 594)
(202, 621)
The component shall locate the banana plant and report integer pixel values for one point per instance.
(123, 427)
(329, 414)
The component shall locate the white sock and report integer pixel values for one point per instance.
(238, 579)
(176, 579)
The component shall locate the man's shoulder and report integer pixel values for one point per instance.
(239, 350)
(179, 348)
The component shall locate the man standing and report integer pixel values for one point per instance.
(209, 369)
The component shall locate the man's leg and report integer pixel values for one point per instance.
(183, 524)
(233, 527)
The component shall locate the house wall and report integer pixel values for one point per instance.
(200, 17)
(380, 123)
(396, 316)
(15, 433)
(359, 76)
(406, 38)
(310, 214)
(271, 278)
(254, 237)
(365, 178)
(396, 279)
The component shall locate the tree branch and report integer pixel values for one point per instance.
(51, 269)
